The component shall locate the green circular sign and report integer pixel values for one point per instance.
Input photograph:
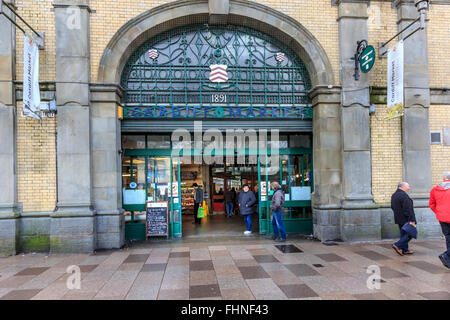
(367, 59)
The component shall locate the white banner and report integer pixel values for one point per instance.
(395, 81)
(31, 94)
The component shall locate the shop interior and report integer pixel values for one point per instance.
(149, 178)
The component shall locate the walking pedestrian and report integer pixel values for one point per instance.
(403, 208)
(277, 206)
(229, 202)
(440, 204)
(246, 200)
(198, 202)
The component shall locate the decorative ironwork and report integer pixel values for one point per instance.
(170, 76)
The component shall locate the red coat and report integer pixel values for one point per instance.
(440, 201)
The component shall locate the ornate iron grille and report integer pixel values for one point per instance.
(215, 71)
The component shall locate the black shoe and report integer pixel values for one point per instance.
(273, 237)
(444, 261)
(280, 240)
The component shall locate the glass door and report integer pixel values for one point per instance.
(294, 174)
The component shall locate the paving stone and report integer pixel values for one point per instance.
(253, 272)
(204, 291)
(201, 265)
(301, 270)
(289, 248)
(179, 255)
(372, 255)
(32, 271)
(134, 258)
(203, 277)
(438, 295)
(298, 291)
(428, 267)
(20, 294)
(371, 296)
(237, 294)
(153, 267)
(330, 257)
(265, 258)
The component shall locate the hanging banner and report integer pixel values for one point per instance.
(395, 81)
(31, 94)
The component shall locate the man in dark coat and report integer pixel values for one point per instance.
(246, 201)
(198, 202)
(403, 208)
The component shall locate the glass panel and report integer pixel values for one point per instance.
(300, 141)
(158, 142)
(133, 142)
(158, 177)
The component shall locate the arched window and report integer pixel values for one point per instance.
(206, 71)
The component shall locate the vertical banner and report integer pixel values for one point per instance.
(395, 106)
(31, 94)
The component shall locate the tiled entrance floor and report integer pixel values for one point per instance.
(237, 268)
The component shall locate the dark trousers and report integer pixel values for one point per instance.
(404, 240)
(197, 220)
(446, 231)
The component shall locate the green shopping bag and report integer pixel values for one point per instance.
(201, 212)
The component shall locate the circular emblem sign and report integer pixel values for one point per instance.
(133, 185)
(367, 59)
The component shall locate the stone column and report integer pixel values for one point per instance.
(360, 218)
(9, 212)
(415, 124)
(106, 165)
(72, 225)
(327, 157)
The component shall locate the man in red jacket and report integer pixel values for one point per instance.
(440, 204)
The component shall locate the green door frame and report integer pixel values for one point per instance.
(292, 225)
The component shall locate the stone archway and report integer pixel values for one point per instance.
(106, 95)
(241, 12)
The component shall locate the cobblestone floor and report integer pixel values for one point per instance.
(237, 268)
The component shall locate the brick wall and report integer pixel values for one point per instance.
(439, 45)
(440, 154)
(386, 154)
(36, 162)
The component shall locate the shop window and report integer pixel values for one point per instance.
(300, 141)
(133, 142)
(158, 142)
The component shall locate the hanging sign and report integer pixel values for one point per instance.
(31, 94)
(395, 81)
(367, 59)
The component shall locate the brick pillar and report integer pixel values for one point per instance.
(360, 218)
(9, 212)
(72, 225)
(415, 124)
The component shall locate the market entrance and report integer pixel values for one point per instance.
(158, 174)
(225, 77)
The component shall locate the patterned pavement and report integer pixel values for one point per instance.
(241, 268)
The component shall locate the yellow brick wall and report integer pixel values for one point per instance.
(38, 14)
(386, 154)
(36, 162)
(381, 25)
(439, 45)
(113, 14)
(319, 17)
(440, 154)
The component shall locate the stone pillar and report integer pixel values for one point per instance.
(218, 11)
(9, 212)
(360, 218)
(72, 225)
(415, 124)
(106, 165)
(327, 157)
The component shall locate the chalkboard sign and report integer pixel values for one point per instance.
(157, 220)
